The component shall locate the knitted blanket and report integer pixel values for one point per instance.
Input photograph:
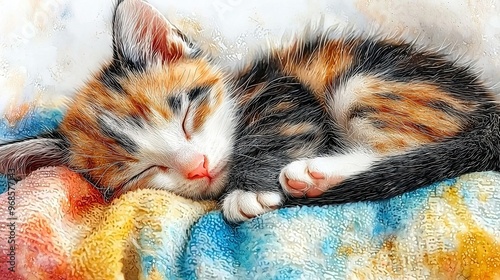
(55, 225)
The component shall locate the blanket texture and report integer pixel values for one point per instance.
(55, 225)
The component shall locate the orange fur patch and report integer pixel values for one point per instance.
(200, 116)
(321, 67)
(406, 119)
(206, 108)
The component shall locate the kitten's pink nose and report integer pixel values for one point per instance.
(201, 170)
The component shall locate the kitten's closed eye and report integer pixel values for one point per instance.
(185, 126)
(175, 103)
(198, 107)
(200, 92)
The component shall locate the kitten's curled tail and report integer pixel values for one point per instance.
(473, 151)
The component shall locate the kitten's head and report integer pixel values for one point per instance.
(159, 115)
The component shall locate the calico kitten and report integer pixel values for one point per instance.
(319, 122)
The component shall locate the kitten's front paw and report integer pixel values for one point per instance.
(241, 205)
(310, 178)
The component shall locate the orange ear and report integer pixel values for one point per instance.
(142, 36)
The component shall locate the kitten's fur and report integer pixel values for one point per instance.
(319, 122)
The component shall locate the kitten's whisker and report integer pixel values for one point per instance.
(98, 181)
(95, 168)
(111, 156)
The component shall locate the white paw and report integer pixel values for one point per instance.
(242, 205)
(312, 177)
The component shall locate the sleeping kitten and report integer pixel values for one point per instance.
(319, 122)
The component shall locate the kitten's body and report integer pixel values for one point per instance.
(375, 118)
(322, 121)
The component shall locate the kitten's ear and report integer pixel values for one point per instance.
(142, 36)
(21, 158)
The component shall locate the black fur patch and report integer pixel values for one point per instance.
(389, 95)
(357, 111)
(379, 124)
(120, 138)
(110, 77)
(423, 128)
(175, 103)
(198, 92)
(443, 107)
(135, 120)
